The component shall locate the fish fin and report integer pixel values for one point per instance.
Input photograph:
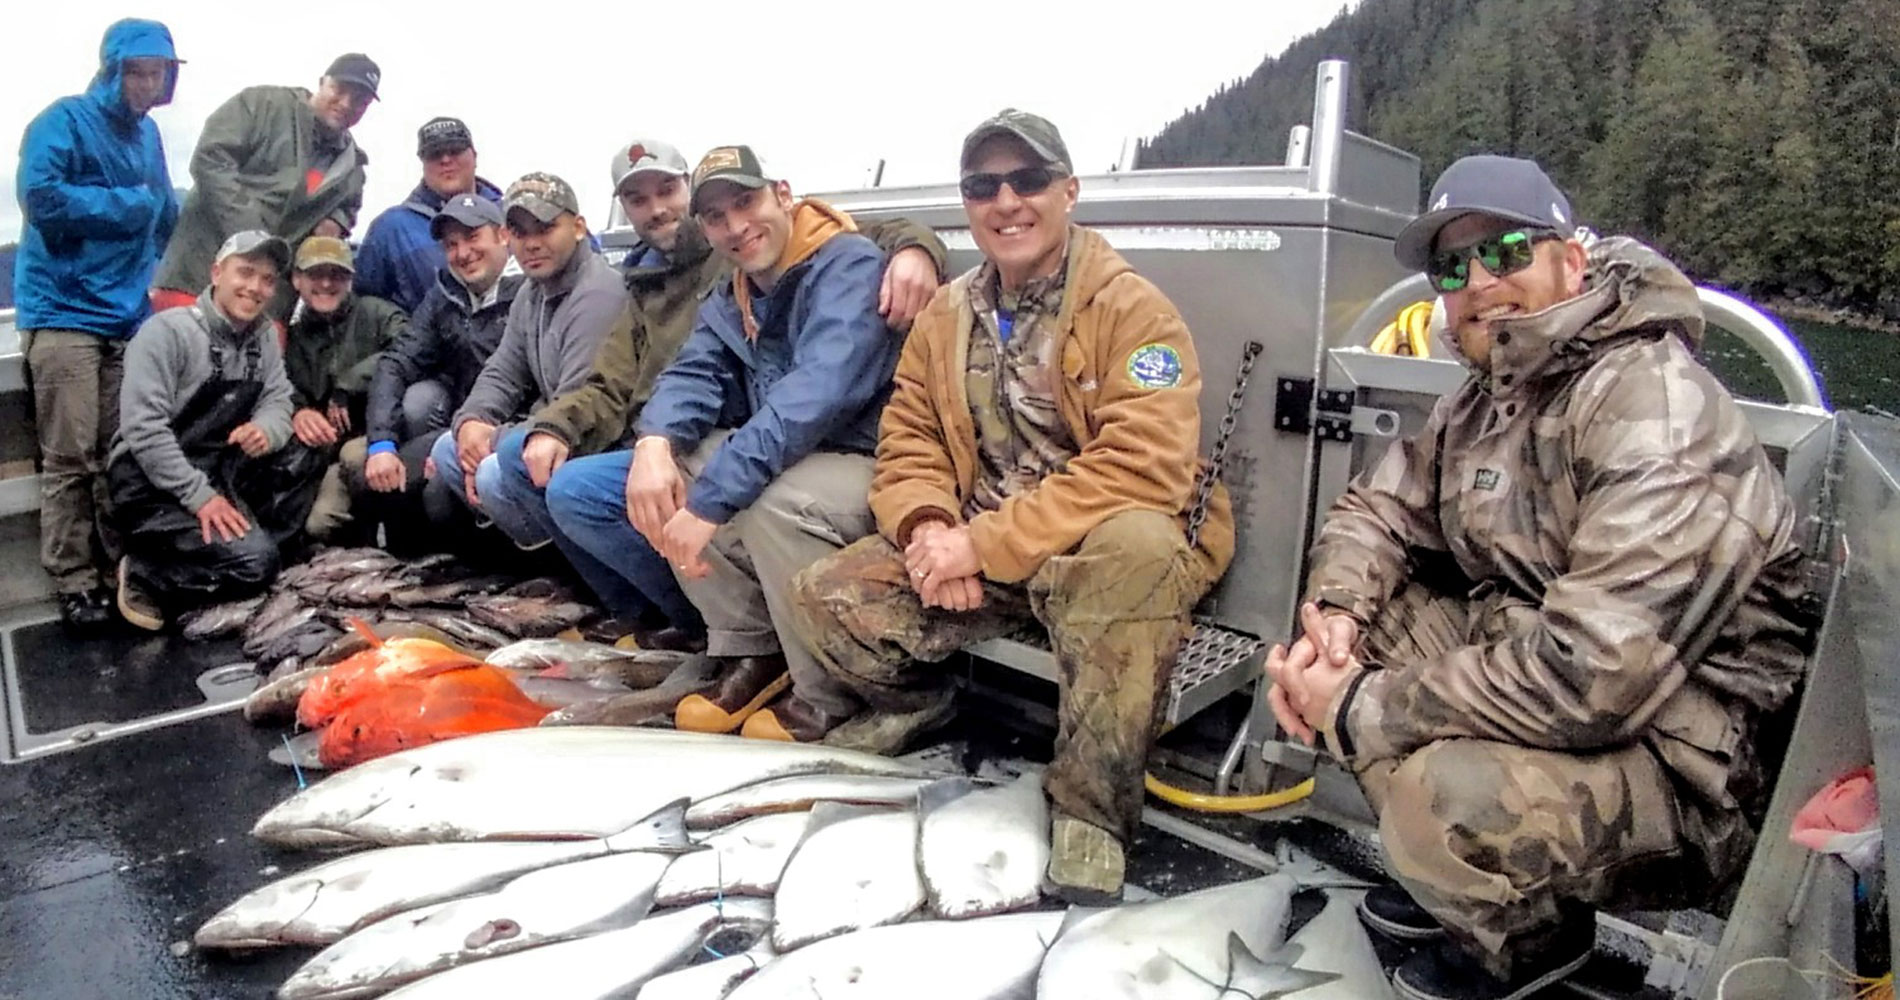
(824, 814)
(941, 793)
(558, 671)
(1244, 967)
(1075, 916)
(664, 829)
(362, 628)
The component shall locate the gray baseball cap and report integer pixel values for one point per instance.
(1503, 186)
(471, 210)
(646, 156)
(541, 195)
(1036, 132)
(256, 243)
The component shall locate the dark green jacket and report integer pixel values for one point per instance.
(248, 172)
(331, 358)
(667, 293)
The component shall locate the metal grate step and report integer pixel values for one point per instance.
(1215, 663)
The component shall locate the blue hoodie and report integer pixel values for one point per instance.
(398, 260)
(97, 198)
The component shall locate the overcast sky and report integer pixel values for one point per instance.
(821, 89)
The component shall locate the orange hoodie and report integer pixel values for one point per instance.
(813, 223)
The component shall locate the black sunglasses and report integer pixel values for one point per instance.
(1026, 182)
(1505, 253)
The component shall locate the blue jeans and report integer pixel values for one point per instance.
(587, 499)
(448, 471)
(519, 507)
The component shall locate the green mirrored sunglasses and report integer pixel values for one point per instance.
(1505, 253)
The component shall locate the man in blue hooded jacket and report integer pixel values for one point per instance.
(98, 207)
(400, 258)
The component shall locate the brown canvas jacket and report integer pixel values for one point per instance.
(1633, 551)
(1138, 444)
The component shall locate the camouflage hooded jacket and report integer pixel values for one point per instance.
(1632, 550)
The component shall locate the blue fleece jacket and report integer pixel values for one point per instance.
(817, 377)
(97, 198)
(399, 259)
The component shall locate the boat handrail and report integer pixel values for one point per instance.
(1777, 347)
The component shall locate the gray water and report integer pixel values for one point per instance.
(1859, 369)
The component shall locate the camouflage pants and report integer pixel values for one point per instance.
(1503, 843)
(1117, 612)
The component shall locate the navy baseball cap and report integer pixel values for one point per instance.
(471, 210)
(1502, 186)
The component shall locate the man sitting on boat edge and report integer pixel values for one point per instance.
(1037, 463)
(752, 459)
(1544, 631)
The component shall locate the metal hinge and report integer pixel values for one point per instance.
(1329, 414)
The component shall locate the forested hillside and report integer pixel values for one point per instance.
(1755, 141)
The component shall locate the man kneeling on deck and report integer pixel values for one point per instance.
(336, 338)
(1037, 463)
(200, 475)
(1544, 631)
(753, 456)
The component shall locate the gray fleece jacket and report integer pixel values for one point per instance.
(168, 360)
(547, 347)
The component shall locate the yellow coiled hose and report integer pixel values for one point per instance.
(1410, 333)
(1201, 802)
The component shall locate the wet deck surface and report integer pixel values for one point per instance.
(112, 853)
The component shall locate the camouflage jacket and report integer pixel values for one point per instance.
(1632, 550)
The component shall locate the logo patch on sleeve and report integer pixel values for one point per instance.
(1155, 366)
(1485, 479)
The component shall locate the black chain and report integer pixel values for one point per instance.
(1217, 456)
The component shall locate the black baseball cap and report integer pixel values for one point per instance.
(471, 210)
(443, 134)
(357, 68)
(1503, 186)
(732, 164)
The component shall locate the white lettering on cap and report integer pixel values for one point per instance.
(1557, 211)
(1443, 200)
(468, 201)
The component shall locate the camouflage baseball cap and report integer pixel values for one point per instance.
(543, 196)
(318, 251)
(732, 164)
(646, 156)
(1035, 131)
(256, 243)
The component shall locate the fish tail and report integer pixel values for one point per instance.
(362, 628)
(664, 829)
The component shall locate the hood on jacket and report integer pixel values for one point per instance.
(813, 222)
(1092, 265)
(131, 38)
(1627, 288)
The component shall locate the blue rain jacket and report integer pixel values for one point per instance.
(97, 199)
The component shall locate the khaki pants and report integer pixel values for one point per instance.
(76, 377)
(1502, 842)
(813, 509)
(1117, 610)
(330, 514)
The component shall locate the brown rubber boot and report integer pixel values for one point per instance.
(791, 719)
(888, 733)
(746, 684)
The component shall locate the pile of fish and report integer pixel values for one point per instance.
(619, 862)
(376, 654)
(310, 605)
